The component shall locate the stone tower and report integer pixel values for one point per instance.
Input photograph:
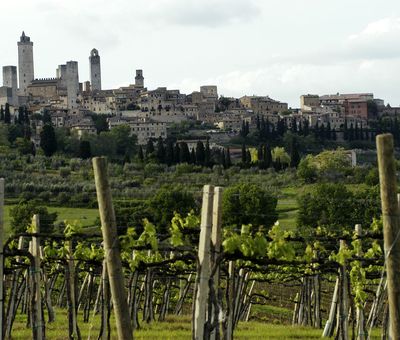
(139, 79)
(95, 70)
(72, 84)
(25, 63)
(61, 76)
(10, 80)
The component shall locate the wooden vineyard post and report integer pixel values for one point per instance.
(73, 322)
(1, 258)
(344, 300)
(204, 263)
(391, 227)
(38, 322)
(360, 310)
(216, 236)
(112, 251)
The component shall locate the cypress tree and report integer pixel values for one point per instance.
(184, 153)
(149, 148)
(193, 156)
(243, 129)
(267, 156)
(140, 154)
(248, 157)
(260, 153)
(1, 113)
(223, 161)
(7, 115)
(48, 141)
(244, 157)
(169, 153)
(351, 133)
(200, 153)
(177, 153)
(160, 150)
(84, 149)
(258, 124)
(294, 155)
(207, 154)
(21, 117)
(228, 161)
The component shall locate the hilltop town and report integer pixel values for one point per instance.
(150, 113)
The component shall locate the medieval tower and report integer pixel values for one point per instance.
(10, 80)
(25, 63)
(139, 79)
(95, 71)
(72, 84)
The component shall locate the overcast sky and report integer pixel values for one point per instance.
(280, 48)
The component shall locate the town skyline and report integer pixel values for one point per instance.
(362, 58)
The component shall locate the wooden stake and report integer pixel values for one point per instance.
(1, 258)
(112, 251)
(391, 227)
(216, 236)
(39, 322)
(204, 262)
(360, 309)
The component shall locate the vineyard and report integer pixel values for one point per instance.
(213, 275)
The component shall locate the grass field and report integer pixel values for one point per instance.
(173, 328)
(86, 217)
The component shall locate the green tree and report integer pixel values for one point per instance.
(85, 151)
(337, 209)
(166, 202)
(24, 146)
(125, 142)
(48, 141)
(246, 203)
(21, 217)
(2, 113)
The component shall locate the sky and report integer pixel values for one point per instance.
(280, 48)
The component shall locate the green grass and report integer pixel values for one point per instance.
(287, 212)
(85, 216)
(175, 327)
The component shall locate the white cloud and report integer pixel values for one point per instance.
(203, 13)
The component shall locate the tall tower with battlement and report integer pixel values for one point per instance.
(10, 80)
(72, 83)
(95, 70)
(25, 63)
(139, 79)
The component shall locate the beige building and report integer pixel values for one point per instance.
(309, 101)
(143, 128)
(263, 105)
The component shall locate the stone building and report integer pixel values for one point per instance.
(209, 92)
(25, 63)
(143, 128)
(263, 105)
(139, 79)
(95, 70)
(309, 101)
(43, 89)
(10, 80)
(72, 84)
